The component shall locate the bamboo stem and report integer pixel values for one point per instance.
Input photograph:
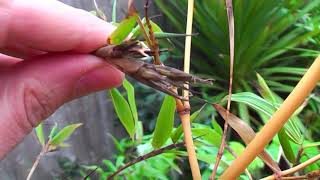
(277, 121)
(296, 168)
(185, 114)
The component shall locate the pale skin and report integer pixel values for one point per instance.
(45, 62)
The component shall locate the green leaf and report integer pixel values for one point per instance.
(216, 126)
(285, 144)
(282, 135)
(309, 145)
(109, 165)
(268, 109)
(53, 131)
(265, 90)
(165, 120)
(123, 111)
(207, 134)
(64, 134)
(40, 135)
(137, 33)
(178, 131)
(123, 30)
(139, 131)
(131, 99)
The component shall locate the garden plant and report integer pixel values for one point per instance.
(257, 58)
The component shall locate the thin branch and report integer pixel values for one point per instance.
(145, 34)
(145, 157)
(295, 168)
(44, 150)
(225, 129)
(154, 45)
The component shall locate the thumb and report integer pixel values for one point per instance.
(33, 89)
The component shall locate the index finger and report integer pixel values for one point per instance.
(50, 26)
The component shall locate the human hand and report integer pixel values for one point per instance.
(46, 63)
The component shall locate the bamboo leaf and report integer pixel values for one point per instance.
(216, 126)
(285, 144)
(40, 135)
(131, 98)
(53, 131)
(268, 109)
(246, 133)
(207, 134)
(164, 124)
(64, 134)
(123, 30)
(283, 134)
(123, 111)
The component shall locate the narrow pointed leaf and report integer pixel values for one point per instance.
(131, 98)
(123, 111)
(266, 92)
(54, 131)
(246, 133)
(268, 109)
(64, 134)
(123, 30)
(40, 135)
(286, 147)
(164, 124)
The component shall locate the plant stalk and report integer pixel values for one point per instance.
(296, 168)
(44, 150)
(184, 109)
(277, 121)
(231, 48)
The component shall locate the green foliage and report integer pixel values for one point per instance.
(270, 40)
(63, 134)
(123, 30)
(154, 168)
(165, 122)
(40, 135)
(123, 111)
(264, 31)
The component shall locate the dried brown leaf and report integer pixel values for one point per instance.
(246, 133)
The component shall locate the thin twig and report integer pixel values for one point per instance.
(145, 157)
(90, 173)
(154, 45)
(44, 150)
(295, 168)
(225, 129)
(145, 34)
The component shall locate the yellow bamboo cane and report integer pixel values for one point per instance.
(277, 121)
